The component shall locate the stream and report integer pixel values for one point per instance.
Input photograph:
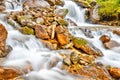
(28, 50)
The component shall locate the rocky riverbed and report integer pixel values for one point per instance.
(46, 22)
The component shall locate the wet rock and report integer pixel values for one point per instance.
(63, 39)
(36, 3)
(87, 47)
(116, 31)
(95, 72)
(61, 21)
(111, 44)
(40, 32)
(3, 35)
(50, 45)
(61, 12)
(2, 6)
(71, 23)
(4, 50)
(27, 30)
(105, 38)
(115, 72)
(9, 73)
(95, 18)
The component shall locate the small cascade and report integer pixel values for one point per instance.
(76, 13)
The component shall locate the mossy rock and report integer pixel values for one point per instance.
(27, 30)
(79, 42)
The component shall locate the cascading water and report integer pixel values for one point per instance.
(29, 50)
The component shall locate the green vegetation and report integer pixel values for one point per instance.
(80, 41)
(109, 9)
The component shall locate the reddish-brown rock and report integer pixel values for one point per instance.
(40, 32)
(111, 44)
(9, 73)
(105, 38)
(116, 32)
(115, 72)
(3, 35)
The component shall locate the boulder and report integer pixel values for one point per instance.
(7, 73)
(111, 44)
(87, 47)
(115, 72)
(105, 38)
(40, 32)
(116, 31)
(55, 2)
(62, 38)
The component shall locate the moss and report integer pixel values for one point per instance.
(109, 9)
(80, 41)
(28, 31)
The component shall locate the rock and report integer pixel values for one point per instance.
(93, 3)
(63, 39)
(95, 18)
(87, 47)
(2, 6)
(9, 73)
(61, 12)
(115, 72)
(116, 31)
(36, 3)
(3, 35)
(55, 2)
(4, 50)
(105, 38)
(61, 21)
(50, 45)
(111, 44)
(96, 72)
(27, 30)
(40, 32)
(71, 23)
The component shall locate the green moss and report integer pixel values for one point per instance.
(28, 31)
(109, 8)
(80, 41)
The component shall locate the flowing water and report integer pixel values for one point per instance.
(27, 50)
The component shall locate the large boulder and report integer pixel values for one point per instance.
(87, 47)
(115, 72)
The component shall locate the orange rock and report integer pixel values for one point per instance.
(115, 72)
(3, 35)
(62, 39)
(116, 32)
(105, 38)
(9, 73)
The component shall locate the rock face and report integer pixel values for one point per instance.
(87, 47)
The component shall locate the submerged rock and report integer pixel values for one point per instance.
(87, 47)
